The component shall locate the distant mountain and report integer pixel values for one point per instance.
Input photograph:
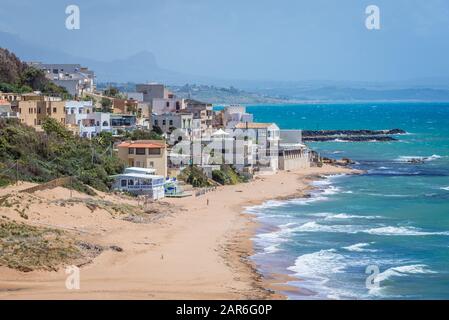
(143, 67)
(140, 67)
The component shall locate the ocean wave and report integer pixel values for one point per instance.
(403, 271)
(319, 265)
(419, 158)
(313, 226)
(349, 216)
(359, 247)
(403, 231)
(445, 188)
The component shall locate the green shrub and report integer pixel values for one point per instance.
(54, 153)
(195, 177)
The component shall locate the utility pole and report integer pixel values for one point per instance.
(17, 172)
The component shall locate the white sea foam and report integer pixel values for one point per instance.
(403, 231)
(445, 188)
(420, 158)
(349, 216)
(313, 226)
(359, 247)
(319, 265)
(403, 271)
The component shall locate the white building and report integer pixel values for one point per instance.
(76, 79)
(293, 154)
(89, 123)
(234, 114)
(266, 138)
(140, 181)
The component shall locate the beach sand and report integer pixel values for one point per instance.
(197, 249)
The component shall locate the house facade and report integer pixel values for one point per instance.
(150, 154)
(265, 137)
(33, 112)
(76, 79)
(140, 181)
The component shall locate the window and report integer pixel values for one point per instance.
(54, 110)
(167, 104)
(39, 110)
(123, 183)
(130, 182)
(170, 122)
(154, 151)
(131, 151)
(155, 122)
(151, 164)
(105, 124)
(163, 122)
(140, 151)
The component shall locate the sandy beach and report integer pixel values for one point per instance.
(194, 248)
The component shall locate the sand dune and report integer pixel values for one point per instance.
(193, 250)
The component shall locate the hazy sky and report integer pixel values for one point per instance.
(249, 39)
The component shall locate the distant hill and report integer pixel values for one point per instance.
(140, 67)
(143, 67)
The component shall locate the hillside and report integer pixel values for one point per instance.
(55, 153)
(16, 76)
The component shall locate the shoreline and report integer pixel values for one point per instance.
(201, 250)
(277, 283)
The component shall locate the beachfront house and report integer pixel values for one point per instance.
(265, 139)
(151, 154)
(140, 181)
(293, 154)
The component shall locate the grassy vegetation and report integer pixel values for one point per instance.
(227, 175)
(140, 134)
(194, 176)
(54, 153)
(27, 248)
(16, 76)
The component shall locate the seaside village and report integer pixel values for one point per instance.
(195, 135)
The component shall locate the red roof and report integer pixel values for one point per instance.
(127, 144)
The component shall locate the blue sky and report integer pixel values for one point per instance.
(249, 39)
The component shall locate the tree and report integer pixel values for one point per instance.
(106, 105)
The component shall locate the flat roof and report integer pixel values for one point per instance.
(253, 125)
(138, 169)
(139, 176)
(140, 145)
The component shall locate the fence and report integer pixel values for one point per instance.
(48, 185)
(203, 191)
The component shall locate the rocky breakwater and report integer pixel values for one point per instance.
(363, 135)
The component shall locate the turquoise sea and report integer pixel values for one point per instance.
(393, 220)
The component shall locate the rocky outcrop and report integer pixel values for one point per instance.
(351, 135)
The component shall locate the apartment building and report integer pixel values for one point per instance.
(234, 114)
(266, 138)
(167, 122)
(33, 111)
(202, 112)
(144, 154)
(160, 98)
(76, 79)
(6, 111)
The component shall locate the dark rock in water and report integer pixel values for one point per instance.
(351, 135)
(416, 161)
(363, 132)
(349, 138)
